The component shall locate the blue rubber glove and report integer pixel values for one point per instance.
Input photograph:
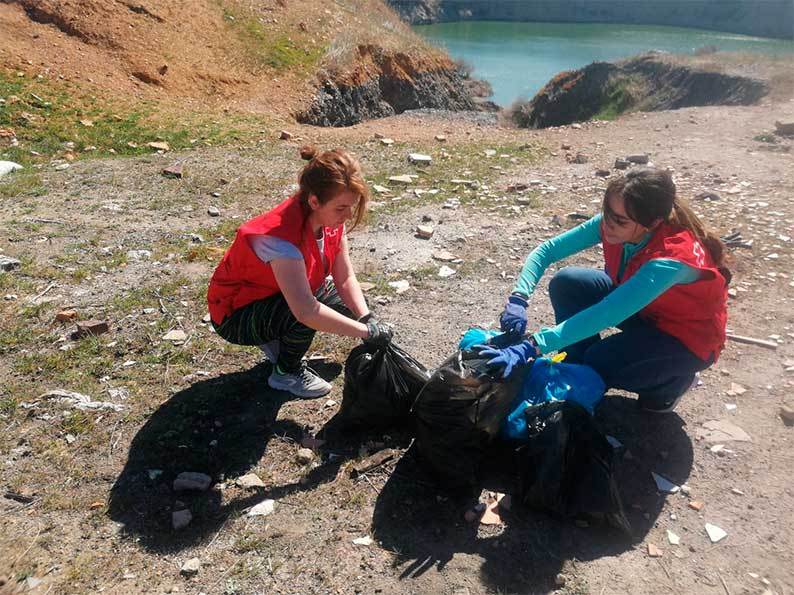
(514, 317)
(509, 357)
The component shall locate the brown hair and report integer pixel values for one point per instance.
(649, 194)
(329, 173)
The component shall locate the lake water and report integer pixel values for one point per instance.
(519, 58)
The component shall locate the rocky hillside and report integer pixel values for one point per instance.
(271, 56)
(767, 18)
(650, 82)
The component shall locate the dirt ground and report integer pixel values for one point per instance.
(93, 508)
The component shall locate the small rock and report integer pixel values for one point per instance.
(403, 179)
(176, 170)
(441, 138)
(366, 286)
(621, 163)
(304, 456)
(264, 508)
(284, 135)
(181, 519)
(91, 327)
(159, 146)
(673, 538)
(722, 431)
(560, 580)
(580, 158)
(6, 167)
(400, 286)
(444, 256)
(65, 316)
(176, 336)
(696, 505)
(387, 142)
(640, 158)
(8, 264)
(710, 196)
(191, 567)
(603, 173)
(784, 128)
(787, 415)
(715, 533)
(445, 272)
(737, 492)
(62, 167)
(653, 551)
(424, 231)
(380, 189)
(139, 254)
(213, 211)
(489, 152)
(250, 480)
(365, 541)
(190, 480)
(736, 390)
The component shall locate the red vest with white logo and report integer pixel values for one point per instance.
(242, 278)
(694, 313)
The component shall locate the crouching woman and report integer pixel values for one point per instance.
(272, 287)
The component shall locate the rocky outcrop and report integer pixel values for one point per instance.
(767, 18)
(384, 84)
(649, 82)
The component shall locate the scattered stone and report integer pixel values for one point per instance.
(517, 187)
(722, 431)
(576, 126)
(710, 196)
(380, 189)
(379, 135)
(175, 336)
(444, 256)
(62, 167)
(400, 286)
(697, 505)
(445, 272)
(190, 480)
(737, 492)
(213, 211)
(284, 135)
(787, 415)
(603, 173)
(784, 128)
(715, 533)
(459, 181)
(304, 456)
(264, 508)
(181, 519)
(565, 147)
(402, 179)
(560, 580)
(8, 264)
(673, 538)
(640, 158)
(489, 152)
(70, 439)
(91, 327)
(365, 541)
(65, 316)
(366, 286)
(176, 170)
(441, 138)
(736, 390)
(6, 167)
(686, 490)
(191, 567)
(621, 163)
(250, 480)
(664, 485)
(653, 551)
(10, 297)
(580, 158)
(425, 231)
(139, 254)
(159, 146)
(387, 142)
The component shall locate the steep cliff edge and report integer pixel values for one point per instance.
(770, 18)
(650, 82)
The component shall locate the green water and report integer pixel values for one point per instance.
(519, 58)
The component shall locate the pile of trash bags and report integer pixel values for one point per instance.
(531, 434)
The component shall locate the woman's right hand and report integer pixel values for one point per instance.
(514, 317)
(378, 334)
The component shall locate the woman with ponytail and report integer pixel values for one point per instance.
(288, 274)
(664, 285)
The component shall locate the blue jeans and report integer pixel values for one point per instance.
(640, 359)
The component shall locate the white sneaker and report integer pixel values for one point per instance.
(303, 383)
(271, 349)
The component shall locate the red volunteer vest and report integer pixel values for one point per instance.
(242, 278)
(695, 313)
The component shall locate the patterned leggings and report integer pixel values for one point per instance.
(270, 318)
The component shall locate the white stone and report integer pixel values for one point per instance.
(673, 538)
(250, 480)
(6, 167)
(264, 508)
(400, 286)
(403, 179)
(715, 533)
(363, 541)
(139, 254)
(380, 189)
(420, 159)
(191, 567)
(445, 272)
(176, 335)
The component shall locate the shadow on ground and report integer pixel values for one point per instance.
(220, 427)
(425, 525)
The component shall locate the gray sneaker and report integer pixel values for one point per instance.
(271, 349)
(302, 383)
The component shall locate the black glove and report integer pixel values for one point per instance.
(378, 333)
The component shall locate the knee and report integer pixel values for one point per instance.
(564, 282)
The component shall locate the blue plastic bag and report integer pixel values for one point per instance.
(549, 380)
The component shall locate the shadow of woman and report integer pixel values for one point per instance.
(414, 517)
(220, 427)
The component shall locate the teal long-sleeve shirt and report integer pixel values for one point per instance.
(649, 282)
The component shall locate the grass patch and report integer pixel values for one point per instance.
(622, 94)
(20, 184)
(58, 119)
(766, 137)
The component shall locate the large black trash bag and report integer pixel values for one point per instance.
(565, 467)
(458, 413)
(381, 384)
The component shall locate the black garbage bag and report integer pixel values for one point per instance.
(381, 384)
(458, 414)
(564, 468)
